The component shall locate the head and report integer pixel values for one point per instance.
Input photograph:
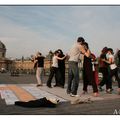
(118, 52)
(104, 50)
(38, 54)
(60, 51)
(110, 51)
(85, 44)
(56, 53)
(80, 40)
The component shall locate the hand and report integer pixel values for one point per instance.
(67, 56)
(103, 60)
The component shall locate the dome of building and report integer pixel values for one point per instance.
(2, 50)
(2, 46)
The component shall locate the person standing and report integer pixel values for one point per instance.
(88, 72)
(118, 54)
(103, 68)
(54, 69)
(113, 69)
(73, 70)
(95, 68)
(61, 67)
(39, 63)
(117, 57)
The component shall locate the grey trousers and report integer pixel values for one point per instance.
(73, 77)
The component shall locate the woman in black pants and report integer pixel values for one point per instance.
(88, 75)
(54, 69)
(60, 81)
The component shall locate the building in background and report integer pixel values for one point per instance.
(5, 63)
(23, 65)
(2, 50)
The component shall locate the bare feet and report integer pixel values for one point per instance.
(118, 91)
(95, 94)
(84, 92)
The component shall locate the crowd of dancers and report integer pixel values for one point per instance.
(80, 52)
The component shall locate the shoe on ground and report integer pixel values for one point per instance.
(68, 92)
(72, 95)
(101, 89)
(55, 85)
(49, 86)
(38, 85)
(109, 91)
(61, 86)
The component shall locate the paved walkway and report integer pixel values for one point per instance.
(26, 92)
(10, 92)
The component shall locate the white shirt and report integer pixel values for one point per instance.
(55, 61)
(75, 52)
(112, 66)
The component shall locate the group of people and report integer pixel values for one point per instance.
(79, 52)
(57, 69)
(108, 68)
(81, 48)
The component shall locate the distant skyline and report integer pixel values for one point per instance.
(28, 29)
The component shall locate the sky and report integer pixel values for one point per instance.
(28, 29)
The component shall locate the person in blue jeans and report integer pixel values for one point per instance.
(73, 70)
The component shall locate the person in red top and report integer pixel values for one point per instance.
(103, 68)
(95, 68)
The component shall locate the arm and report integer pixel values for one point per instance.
(109, 61)
(60, 58)
(35, 60)
(87, 53)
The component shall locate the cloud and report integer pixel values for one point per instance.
(27, 29)
(22, 41)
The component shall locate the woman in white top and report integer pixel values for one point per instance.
(113, 69)
(54, 68)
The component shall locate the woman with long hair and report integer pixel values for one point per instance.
(88, 75)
